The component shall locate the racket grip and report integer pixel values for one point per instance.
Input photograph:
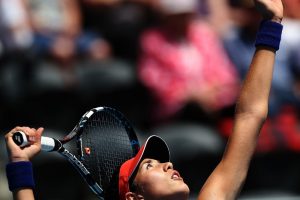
(47, 143)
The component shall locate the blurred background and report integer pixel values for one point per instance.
(173, 67)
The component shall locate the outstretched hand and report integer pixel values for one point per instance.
(270, 9)
(17, 153)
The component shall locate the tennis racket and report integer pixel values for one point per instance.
(97, 146)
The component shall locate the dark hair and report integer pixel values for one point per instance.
(133, 187)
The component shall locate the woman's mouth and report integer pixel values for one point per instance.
(176, 176)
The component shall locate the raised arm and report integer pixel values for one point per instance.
(19, 169)
(227, 179)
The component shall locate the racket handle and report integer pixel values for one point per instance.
(47, 143)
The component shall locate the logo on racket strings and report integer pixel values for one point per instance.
(87, 150)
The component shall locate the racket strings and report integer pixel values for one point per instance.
(106, 146)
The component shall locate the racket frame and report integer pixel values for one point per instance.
(58, 145)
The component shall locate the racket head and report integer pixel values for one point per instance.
(102, 140)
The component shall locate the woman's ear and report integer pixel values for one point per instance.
(133, 196)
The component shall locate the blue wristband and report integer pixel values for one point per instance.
(269, 34)
(19, 175)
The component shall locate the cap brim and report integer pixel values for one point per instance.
(154, 148)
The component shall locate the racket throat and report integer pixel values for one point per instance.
(83, 172)
(79, 147)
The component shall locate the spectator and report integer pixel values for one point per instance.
(59, 32)
(182, 61)
(16, 39)
(16, 31)
(61, 44)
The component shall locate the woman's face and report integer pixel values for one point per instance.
(157, 180)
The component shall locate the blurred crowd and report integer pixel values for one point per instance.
(173, 67)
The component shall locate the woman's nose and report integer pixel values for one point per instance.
(167, 166)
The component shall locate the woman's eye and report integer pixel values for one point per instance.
(148, 166)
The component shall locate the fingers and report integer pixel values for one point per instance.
(17, 153)
(40, 131)
(36, 137)
(33, 135)
(270, 9)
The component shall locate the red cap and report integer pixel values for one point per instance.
(155, 148)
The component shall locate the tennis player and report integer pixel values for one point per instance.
(150, 174)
